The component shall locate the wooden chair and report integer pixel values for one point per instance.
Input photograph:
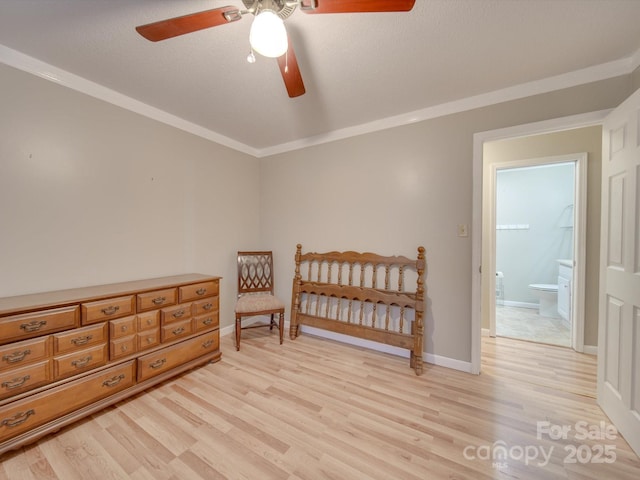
(255, 292)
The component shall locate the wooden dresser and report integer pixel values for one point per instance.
(69, 353)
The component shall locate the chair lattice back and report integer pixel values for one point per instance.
(255, 272)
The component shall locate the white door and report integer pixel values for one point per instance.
(619, 324)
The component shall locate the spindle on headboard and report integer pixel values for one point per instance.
(374, 276)
(386, 277)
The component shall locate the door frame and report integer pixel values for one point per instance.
(578, 237)
(537, 128)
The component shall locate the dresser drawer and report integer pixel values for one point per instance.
(157, 299)
(93, 312)
(123, 327)
(148, 320)
(22, 353)
(175, 314)
(29, 325)
(24, 378)
(172, 356)
(197, 291)
(121, 347)
(175, 330)
(148, 339)
(79, 338)
(25, 414)
(205, 322)
(208, 305)
(77, 362)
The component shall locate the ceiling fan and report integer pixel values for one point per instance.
(268, 35)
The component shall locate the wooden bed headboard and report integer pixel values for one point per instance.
(364, 295)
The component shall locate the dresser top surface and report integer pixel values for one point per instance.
(37, 301)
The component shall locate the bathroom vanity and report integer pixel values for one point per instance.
(565, 277)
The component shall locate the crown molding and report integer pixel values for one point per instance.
(49, 72)
(596, 73)
(28, 64)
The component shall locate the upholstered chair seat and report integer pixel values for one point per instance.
(258, 303)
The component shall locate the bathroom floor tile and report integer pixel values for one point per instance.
(526, 324)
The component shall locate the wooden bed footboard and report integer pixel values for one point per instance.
(365, 295)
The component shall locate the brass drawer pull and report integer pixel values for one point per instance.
(112, 382)
(110, 310)
(82, 362)
(17, 419)
(16, 382)
(33, 326)
(159, 300)
(201, 291)
(179, 313)
(158, 363)
(82, 340)
(15, 357)
(178, 331)
(208, 321)
(207, 306)
(207, 344)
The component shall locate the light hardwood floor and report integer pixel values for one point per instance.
(315, 409)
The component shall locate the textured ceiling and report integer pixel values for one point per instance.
(357, 68)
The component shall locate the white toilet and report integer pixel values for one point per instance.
(548, 295)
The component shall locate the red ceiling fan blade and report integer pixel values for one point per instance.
(174, 27)
(356, 6)
(291, 73)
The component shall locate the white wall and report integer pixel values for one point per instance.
(393, 190)
(91, 193)
(542, 199)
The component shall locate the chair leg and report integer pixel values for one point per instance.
(271, 323)
(238, 330)
(281, 327)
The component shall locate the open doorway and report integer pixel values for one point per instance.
(559, 137)
(535, 214)
(506, 158)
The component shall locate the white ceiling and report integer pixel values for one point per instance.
(358, 69)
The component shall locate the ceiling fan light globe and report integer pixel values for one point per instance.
(268, 36)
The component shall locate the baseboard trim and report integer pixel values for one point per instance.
(511, 303)
(230, 329)
(438, 360)
(448, 362)
(380, 347)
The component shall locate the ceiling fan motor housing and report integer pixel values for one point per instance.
(283, 8)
